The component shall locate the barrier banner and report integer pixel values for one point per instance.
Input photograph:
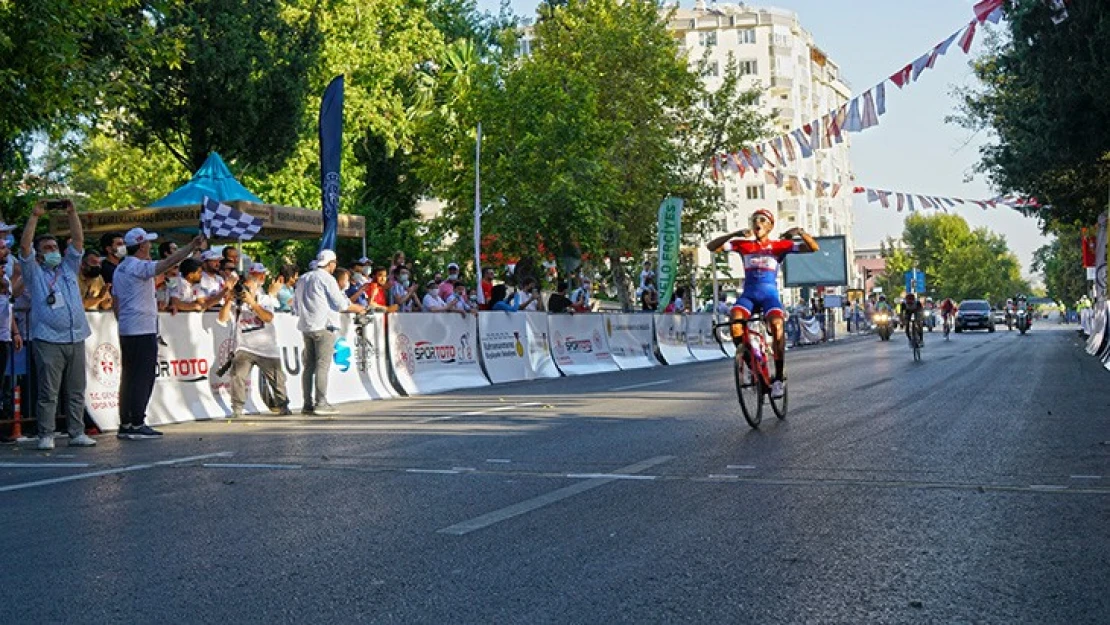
(191, 348)
(699, 338)
(630, 339)
(540, 362)
(579, 344)
(503, 337)
(670, 336)
(434, 352)
(810, 328)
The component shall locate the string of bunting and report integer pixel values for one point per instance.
(906, 201)
(861, 112)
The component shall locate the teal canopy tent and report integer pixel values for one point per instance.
(213, 180)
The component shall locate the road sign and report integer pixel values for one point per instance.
(915, 281)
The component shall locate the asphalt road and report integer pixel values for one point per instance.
(973, 487)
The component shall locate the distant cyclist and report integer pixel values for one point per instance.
(913, 311)
(762, 258)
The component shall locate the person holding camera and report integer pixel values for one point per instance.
(528, 296)
(136, 309)
(256, 341)
(58, 325)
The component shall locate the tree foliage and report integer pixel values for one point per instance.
(583, 137)
(1061, 262)
(1043, 98)
(958, 262)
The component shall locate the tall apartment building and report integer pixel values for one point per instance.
(799, 83)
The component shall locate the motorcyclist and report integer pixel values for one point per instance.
(1022, 303)
(930, 313)
(913, 311)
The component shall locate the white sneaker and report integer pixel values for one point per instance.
(82, 440)
(778, 389)
(46, 443)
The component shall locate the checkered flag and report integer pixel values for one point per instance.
(220, 221)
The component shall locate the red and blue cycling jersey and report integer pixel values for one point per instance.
(761, 271)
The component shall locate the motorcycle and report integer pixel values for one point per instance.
(884, 325)
(1022, 321)
(930, 319)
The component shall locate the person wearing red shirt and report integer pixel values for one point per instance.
(487, 288)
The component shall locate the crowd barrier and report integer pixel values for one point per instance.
(382, 357)
(1098, 334)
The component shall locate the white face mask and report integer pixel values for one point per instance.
(121, 251)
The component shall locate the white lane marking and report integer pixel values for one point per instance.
(535, 503)
(476, 413)
(1086, 477)
(44, 465)
(434, 471)
(127, 469)
(644, 385)
(745, 467)
(1047, 487)
(612, 476)
(498, 460)
(723, 476)
(247, 465)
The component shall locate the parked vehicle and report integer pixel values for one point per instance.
(974, 314)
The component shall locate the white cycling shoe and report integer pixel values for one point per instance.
(778, 389)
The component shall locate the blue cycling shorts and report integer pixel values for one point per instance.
(760, 297)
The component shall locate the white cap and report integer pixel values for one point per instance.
(451, 266)
(207, 255)
(6, 227)
(312, 264)
(363, 261)
(259, 268)
(135, 236)
(325, 257)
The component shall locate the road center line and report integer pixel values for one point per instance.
(644, 385)
(44, 465)
(485, 520)
(127, 469)
(1086, 477)
(477, 413)
(230, 465)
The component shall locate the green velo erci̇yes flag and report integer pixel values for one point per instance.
(670, 237)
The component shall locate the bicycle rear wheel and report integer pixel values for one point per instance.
(749, 388)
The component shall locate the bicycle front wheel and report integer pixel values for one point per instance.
(749, 388)
(778, 406)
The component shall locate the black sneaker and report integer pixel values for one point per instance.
(284, 411)
(144, 432)
(126, 432)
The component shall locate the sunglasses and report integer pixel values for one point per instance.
(760, 218)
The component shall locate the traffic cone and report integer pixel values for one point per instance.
(17, 426)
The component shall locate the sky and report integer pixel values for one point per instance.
(912, 149)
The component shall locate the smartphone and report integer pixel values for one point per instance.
(57, 205)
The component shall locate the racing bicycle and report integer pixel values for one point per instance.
(752, 373)
(916, 338)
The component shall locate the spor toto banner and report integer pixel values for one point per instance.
(579, 344)
(630, 340)
(670, 335)
(670, 237)
(433, 352)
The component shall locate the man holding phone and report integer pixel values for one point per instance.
(58, 326)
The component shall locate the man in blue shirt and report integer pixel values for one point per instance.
(57, 325)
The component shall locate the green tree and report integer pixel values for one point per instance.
(1061, 262)
(584, 137)
(1043, 100)
(958, 262)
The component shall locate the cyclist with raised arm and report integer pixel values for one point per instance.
(948, 311)
(762, 258)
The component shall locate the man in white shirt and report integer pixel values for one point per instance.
(137, 312)
(255, 341)
(580, 297)
(317, 297)
(211, 281)
(186, 296)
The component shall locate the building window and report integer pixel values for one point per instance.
(713, 69)
(746, 68)
(525, 47)
(781, 39)
(707, 39)
(746, 35)
(755, 192)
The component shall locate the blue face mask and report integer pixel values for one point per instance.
(52, 259)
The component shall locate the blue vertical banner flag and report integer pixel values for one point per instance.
(915, 281)
(331, 155)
